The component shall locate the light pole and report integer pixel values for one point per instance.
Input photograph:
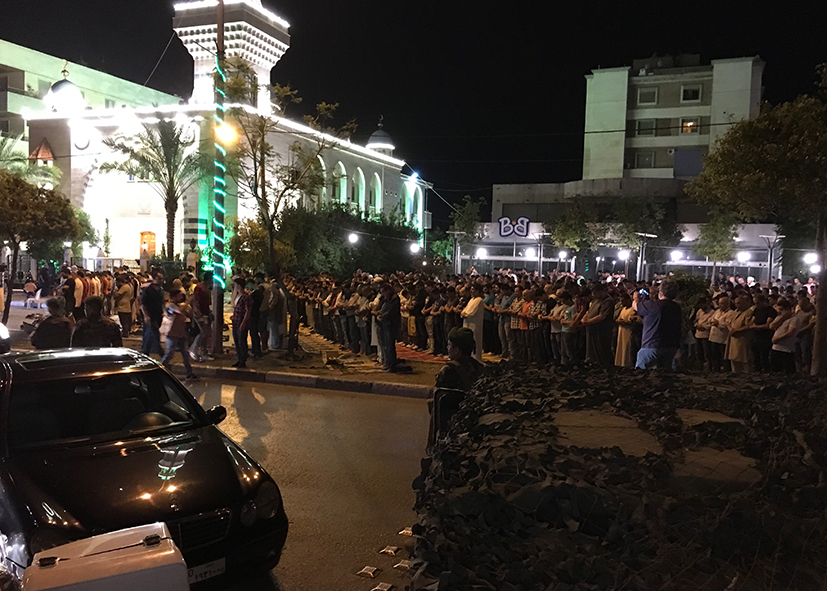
(457, 263)
(772, 242)
(219, 192)
(641, 262)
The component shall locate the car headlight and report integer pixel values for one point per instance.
(4, 332)
(265, 505)
(268, 500)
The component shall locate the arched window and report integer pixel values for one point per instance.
(323, 190)
(375, 201)
(357, 191)
(339, 182)
(416, 214)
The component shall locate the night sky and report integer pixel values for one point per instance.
(473, 93)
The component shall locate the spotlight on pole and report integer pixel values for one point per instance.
(815, 269)
(743, 256)
(415, 248)
(353, 238)
(424, 263)
(530, 253)
(810, 258)
(624, 255)
(482, 253)
(676, 255)
(562, 255)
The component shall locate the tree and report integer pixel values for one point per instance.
(576, 227)
(30, 213)
(272, 179)
(164, 154)
(49, 248)
(466, 219)
(716, 239)
(776, 164)
(17, 163)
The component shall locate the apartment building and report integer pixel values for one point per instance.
(657, 118)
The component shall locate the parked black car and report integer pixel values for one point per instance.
(96, 440)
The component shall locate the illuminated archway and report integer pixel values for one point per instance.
(357, 191)
(375, 201)
(323, 198)
(339, 183)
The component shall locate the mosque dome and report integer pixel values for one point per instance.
(64, 96)
(380, 141)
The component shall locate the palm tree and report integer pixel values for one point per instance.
(18, 164)
(161, 154)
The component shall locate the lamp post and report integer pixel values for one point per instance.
(772, 242)
(641, 262)
(219, 192)
(456, 251)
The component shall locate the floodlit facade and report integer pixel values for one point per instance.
(92, 106)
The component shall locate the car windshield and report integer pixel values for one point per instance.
(104, 408)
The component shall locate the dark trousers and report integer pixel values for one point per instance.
(761, 348)
(716, 356)
(556, 348)
(353, 332)
(421, 338)
(782, 362)
(388, 344)
(126, 322)
(255, 338)
(240, 339)
(440, 342)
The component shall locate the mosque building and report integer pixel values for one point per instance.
(67, 121)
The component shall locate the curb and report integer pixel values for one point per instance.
(310, 381)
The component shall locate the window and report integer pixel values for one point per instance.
(645, 127)
(691, 94)
(4, 126)
(647, 95)
(110, 104)
(645, 160)
(690, 125)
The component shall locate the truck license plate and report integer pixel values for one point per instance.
(207, 571)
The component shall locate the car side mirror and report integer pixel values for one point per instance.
(216, 414)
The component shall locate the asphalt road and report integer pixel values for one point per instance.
(344, 463)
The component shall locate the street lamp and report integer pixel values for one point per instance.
(562, 255)
(815, 269)
(624, 255)
(415, 248)
(676, 255)
(353, 238)
(482, 253)
(810, 258)
(743, 256)
(530, 253)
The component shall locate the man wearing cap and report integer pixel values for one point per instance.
(459, 374)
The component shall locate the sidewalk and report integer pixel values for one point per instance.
(320, 364)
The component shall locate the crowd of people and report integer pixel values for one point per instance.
(553, 319)
(562, 319)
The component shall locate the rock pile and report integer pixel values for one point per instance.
(506, 503)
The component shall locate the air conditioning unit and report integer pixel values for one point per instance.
(671, 151)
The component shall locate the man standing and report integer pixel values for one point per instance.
(277, 313)
(599, 321)
(389, 317)
(662, 320)
(55, 331)
(242, 311)
(152, 307)
(123, 304)
(96, 330)
(257, 295)
(200, 303)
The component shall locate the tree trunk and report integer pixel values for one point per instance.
(171, 232)
(10, 282)
(819, 361)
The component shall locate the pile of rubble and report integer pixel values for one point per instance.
(718, 484)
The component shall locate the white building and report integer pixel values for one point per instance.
(368, 178)
(658, 118)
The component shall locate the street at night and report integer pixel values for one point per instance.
(344, 463)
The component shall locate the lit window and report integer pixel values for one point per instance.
(691, 94)
(690, 125)
(645, 160)
(645, 127)
(647, 96)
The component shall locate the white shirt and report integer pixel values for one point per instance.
(719, 334)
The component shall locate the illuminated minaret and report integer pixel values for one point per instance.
(250, 31)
